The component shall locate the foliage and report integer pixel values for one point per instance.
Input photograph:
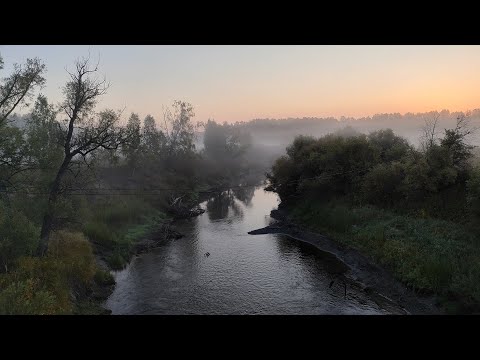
(473, 190)
(18, 236)
(17, 88)
(380, 169)
(422, 225)
(44, 285)
(103, 277)
(428, 255)
(70, 167)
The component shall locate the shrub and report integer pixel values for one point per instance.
(100, 233)
(76, 253)
(18, 236)
(116, 261)
(24, 298)
(473, 192)
(103, 277)
(382, 185)
(47, 285)
(33, 275)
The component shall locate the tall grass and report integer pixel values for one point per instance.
(428, 255)
(116, 225)
(51, 284)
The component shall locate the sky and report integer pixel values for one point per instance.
(240, 83)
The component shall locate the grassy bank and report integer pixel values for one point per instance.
(115, 225)
(428, 255)
(54, 284)
(69, 280)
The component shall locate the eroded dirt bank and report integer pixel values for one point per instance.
(358, 270)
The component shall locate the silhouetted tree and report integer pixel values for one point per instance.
(179, 129)
(15, 90)
(429, 133)
(19, 86)
(131, 150)
(456, 140)
(83, 132)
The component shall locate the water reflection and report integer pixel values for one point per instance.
(220, 206)
(245, 274)
(244, 194)
(289, 247)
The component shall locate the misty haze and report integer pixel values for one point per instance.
(239, 180)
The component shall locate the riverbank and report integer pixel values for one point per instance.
(115, 246)
(429, 256)
(146, 237)
(360, 271)
(244, 274)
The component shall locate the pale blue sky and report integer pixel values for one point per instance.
(233, 83)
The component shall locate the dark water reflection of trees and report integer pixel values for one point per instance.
(219, 206)
(244, 194)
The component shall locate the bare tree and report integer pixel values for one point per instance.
(429, 132)
(463, 127)
(19, 86)
(83, 132)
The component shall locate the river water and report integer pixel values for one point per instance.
(244, 274)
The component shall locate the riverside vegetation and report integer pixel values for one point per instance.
(413, 210)
(82, 190)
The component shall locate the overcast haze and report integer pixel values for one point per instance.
(240, 83)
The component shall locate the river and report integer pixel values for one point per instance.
(243, 274)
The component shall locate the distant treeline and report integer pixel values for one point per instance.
(278, 133)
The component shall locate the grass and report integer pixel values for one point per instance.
(103, 277)
(116, 226)
(51, 284)
(428, 255)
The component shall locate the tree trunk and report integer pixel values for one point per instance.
(48, 218)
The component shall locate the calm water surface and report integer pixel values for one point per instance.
(244, 274)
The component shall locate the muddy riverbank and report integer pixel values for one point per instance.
(360, 271)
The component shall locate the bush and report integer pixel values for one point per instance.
(101, 234)
(49, 285)
(18, 236)
(389, 146)
(473, 192)
(382, 185)
(76, 252)
(32, 275)
(428, 255)
(121, 212)
(103, 277)
(116, 261)
(24, 298)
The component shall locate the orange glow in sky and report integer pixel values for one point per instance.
(235, 83)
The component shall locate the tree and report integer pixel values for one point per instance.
(44, 136)
(12, 154)
(132, 148)
(429, 133)
(226, 145)
(83, 132)
(179, 130)
(151, 135)
(14, 91)
(389, 146)
(19, 86)
(214, 139)
(32, 152)
(456, 141)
